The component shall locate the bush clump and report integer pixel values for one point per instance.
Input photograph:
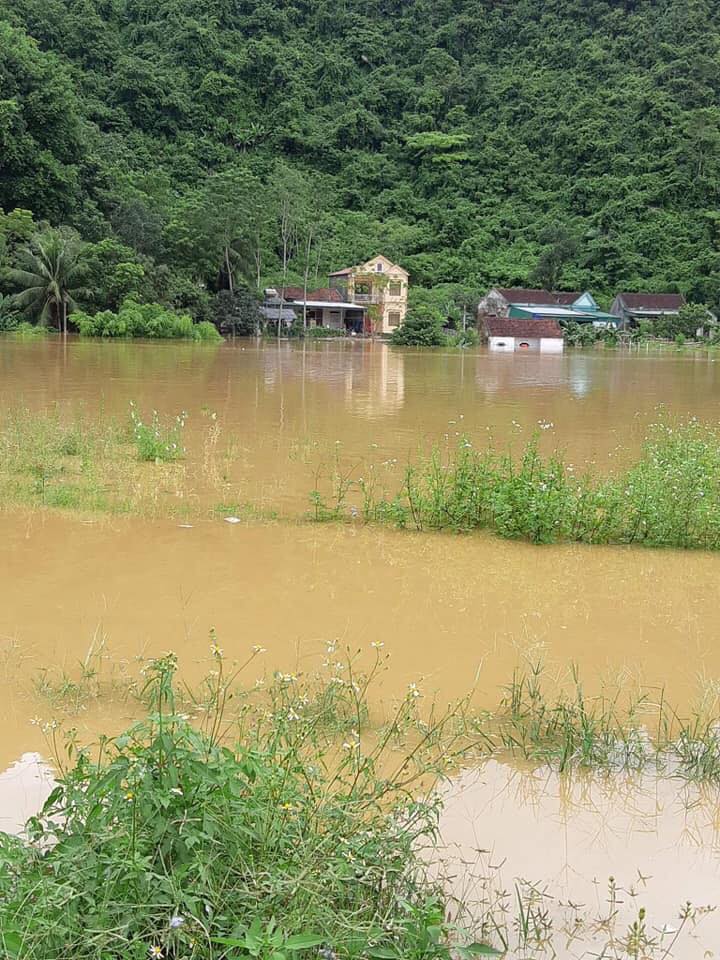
(173, 845)
(149, 320)
(670, 497)
(422, 327)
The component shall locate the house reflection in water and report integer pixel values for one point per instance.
(375, 387)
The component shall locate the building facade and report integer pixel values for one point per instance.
(380, 287)
(508, 335)
(631, 308)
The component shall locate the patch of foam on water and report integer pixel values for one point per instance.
(554, 841)
(24, 788)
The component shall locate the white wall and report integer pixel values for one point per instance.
(502, 344)
(535, 344)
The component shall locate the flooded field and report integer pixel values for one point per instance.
(455, 613)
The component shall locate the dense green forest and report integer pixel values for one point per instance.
(201, 145)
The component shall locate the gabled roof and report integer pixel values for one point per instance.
(507, 327)
(566, 298)
(322, 293)
(368, 267)
(523, 295)
(652, 301)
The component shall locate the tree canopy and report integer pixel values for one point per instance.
(477, 142)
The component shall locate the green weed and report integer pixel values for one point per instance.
(670, 497)
(158, 441)
(173, 843)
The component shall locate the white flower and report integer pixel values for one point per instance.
(176, 921)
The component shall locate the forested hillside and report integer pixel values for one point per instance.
(572, 142)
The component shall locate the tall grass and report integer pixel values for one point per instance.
(174, 843)
(669, 497)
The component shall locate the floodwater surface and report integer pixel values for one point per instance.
(454, 613)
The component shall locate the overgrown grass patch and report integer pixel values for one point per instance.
(669, 497)
(176, 842)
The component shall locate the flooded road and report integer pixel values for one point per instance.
(454, 613)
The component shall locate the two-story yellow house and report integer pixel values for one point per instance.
(380, 286)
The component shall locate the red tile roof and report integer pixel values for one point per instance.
(505, 327)
(653, 301)
(326, 293)
(322, 293)
(528, 295)
(565, 299)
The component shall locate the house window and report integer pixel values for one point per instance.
(378, 267)
(363, 288)
(394, 318)
(394, 288)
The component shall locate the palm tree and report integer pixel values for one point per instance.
(49, 271)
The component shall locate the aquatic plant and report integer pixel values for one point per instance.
(669, 497)
(173, 843)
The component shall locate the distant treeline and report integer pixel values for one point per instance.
(216, 145)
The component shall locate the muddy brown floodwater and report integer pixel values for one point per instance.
(455, 612)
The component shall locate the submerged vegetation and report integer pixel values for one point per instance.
(293, 819)
(669, 497)
(148, 320)
(176, 843)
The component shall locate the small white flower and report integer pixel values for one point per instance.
(176, 921)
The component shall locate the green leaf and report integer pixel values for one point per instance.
(478, 950)
(383, 953)
(12, 943)
(301, 941)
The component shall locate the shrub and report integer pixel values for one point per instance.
(669, 497)
(205, 331)
(464, 338)
(149, 320)
(421, 328)
(237, 313)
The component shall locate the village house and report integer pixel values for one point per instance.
(508, 334)
(380, 286)
(521, 303)
(321, 307)
(631, 308)
(368, 298)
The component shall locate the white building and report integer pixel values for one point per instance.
(507, 335)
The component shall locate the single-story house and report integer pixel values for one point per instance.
(323, 307)
(631, 308)
(523, 303)
(498, 300)
(583, 309)
(508, 334)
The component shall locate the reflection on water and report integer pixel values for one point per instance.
(458, 612)
(380, 402)
(24, 788)
(505, 829)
